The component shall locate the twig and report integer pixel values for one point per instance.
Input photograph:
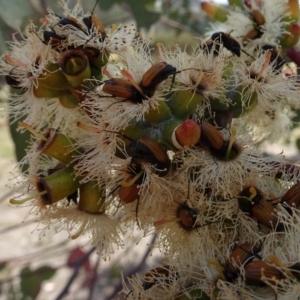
(94, 279)
(16, 226)
(78, 265)
(132, 271)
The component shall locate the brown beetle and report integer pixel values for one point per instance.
(128, 89)
(187, 217)
(291, 198)
(163, 274)
(276, 60)
(258, 20)
(242, 254)
(212, 137)
(262, 273)
(252, 202)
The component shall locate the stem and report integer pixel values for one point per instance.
(231, 142)
(133, 180)
(21, 201)
(77, 267)
(33, 131)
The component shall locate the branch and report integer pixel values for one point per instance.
(133, 271)
(78, 265)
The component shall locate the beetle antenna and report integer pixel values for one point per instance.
(94, 7)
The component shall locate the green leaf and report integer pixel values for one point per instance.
(106, 5)
(45, 272)
(2, 265)
(298, 143)
(13, 12)
(20, 139)
(237, 3)
(31, 281)
(143, 17)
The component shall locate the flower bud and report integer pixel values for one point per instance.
(45, 92)
(184, 103)
(167, 130)
(187, 134)
(158, 114)
(53, 78)
(68, 101)
(75, 66)
(291, 12)
(58, 185)
(215, 11)
(58, 145)
(291, 38)
(91, 198)
(237, 105)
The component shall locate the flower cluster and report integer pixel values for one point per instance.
(120, 141)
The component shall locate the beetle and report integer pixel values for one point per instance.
(13, 81)
(187, 217)
(147, 150)
(262, 273)
(276, 60)
(242, 254)
(160, 274)
(291, 198)
(212, 137)
(252, 202)
(118, 87)
(90, 22)
(221, 38)
(143, 150)
(130, 90)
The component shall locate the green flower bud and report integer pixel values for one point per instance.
(135, 130)
(68, 101)
(91, 198)
(292, 12)
(184, 103)
(58, 146)
(75, 66)
(53, 78)
(58, 185)
(290, 39)
(215, 11)
(167, 130)
(237, 106)
(45, 92)
(158, 114)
